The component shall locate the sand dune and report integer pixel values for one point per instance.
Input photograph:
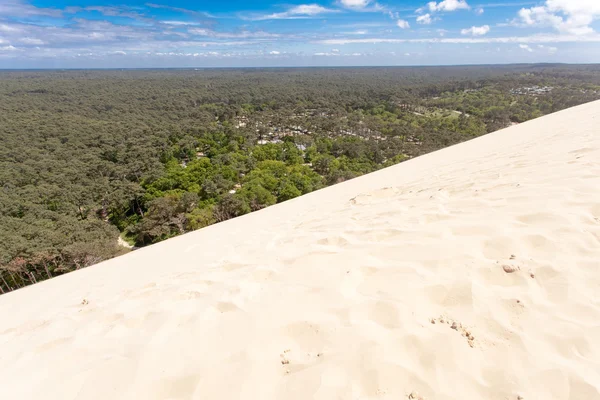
(469, 273)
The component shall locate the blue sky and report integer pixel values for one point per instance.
(236, 33)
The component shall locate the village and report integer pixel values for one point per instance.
(532, 90)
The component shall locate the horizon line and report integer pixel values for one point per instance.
(289, 67)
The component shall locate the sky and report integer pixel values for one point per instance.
(271, 33)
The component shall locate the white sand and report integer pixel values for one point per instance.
(331, 296)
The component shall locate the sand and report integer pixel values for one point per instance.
(469, 273)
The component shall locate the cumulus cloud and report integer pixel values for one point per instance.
(476, 30)
(355, 3)
(365, 6)
(63, 35)
(308, 9)
(570, 16)
(424, 19)
(402, 24)
(448, 5)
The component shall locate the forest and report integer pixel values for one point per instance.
(97, 163)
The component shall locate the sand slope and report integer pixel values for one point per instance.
(469, 273)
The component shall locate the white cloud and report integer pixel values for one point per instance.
(526, 47)
(479, 10)
(300, 11)
(308, 9)
(570, 16)
(355, 3)
(181, 10)
(229, 35)
(402, 24)
(476, 30)
(357, 32)
(108, 11)
(19, 8)
(66, 35)
(180, 23)
(8, 48)
(10, 28)
(424, 19)
(448, 5)
(549, 49)
(102, 39)
(337, 54)
(534, 39)
(31, 41)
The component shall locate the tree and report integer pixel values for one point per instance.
(200, 218)
(256, 195)
(231, 206)
(86, 156)
(166, 217)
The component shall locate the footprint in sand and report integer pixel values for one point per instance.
(142, 292)
(334, 241)
(368, 198)
(284, 359)
(224, 307)
(582, 151)
(509, 269)
(300, 361)
(512, 267)
(415, 396)
(457, 326)
(307, 342)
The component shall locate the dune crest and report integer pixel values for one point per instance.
(468, 273)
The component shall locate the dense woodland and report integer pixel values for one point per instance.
(94, 161)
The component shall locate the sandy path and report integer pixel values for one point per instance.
(469, 273)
